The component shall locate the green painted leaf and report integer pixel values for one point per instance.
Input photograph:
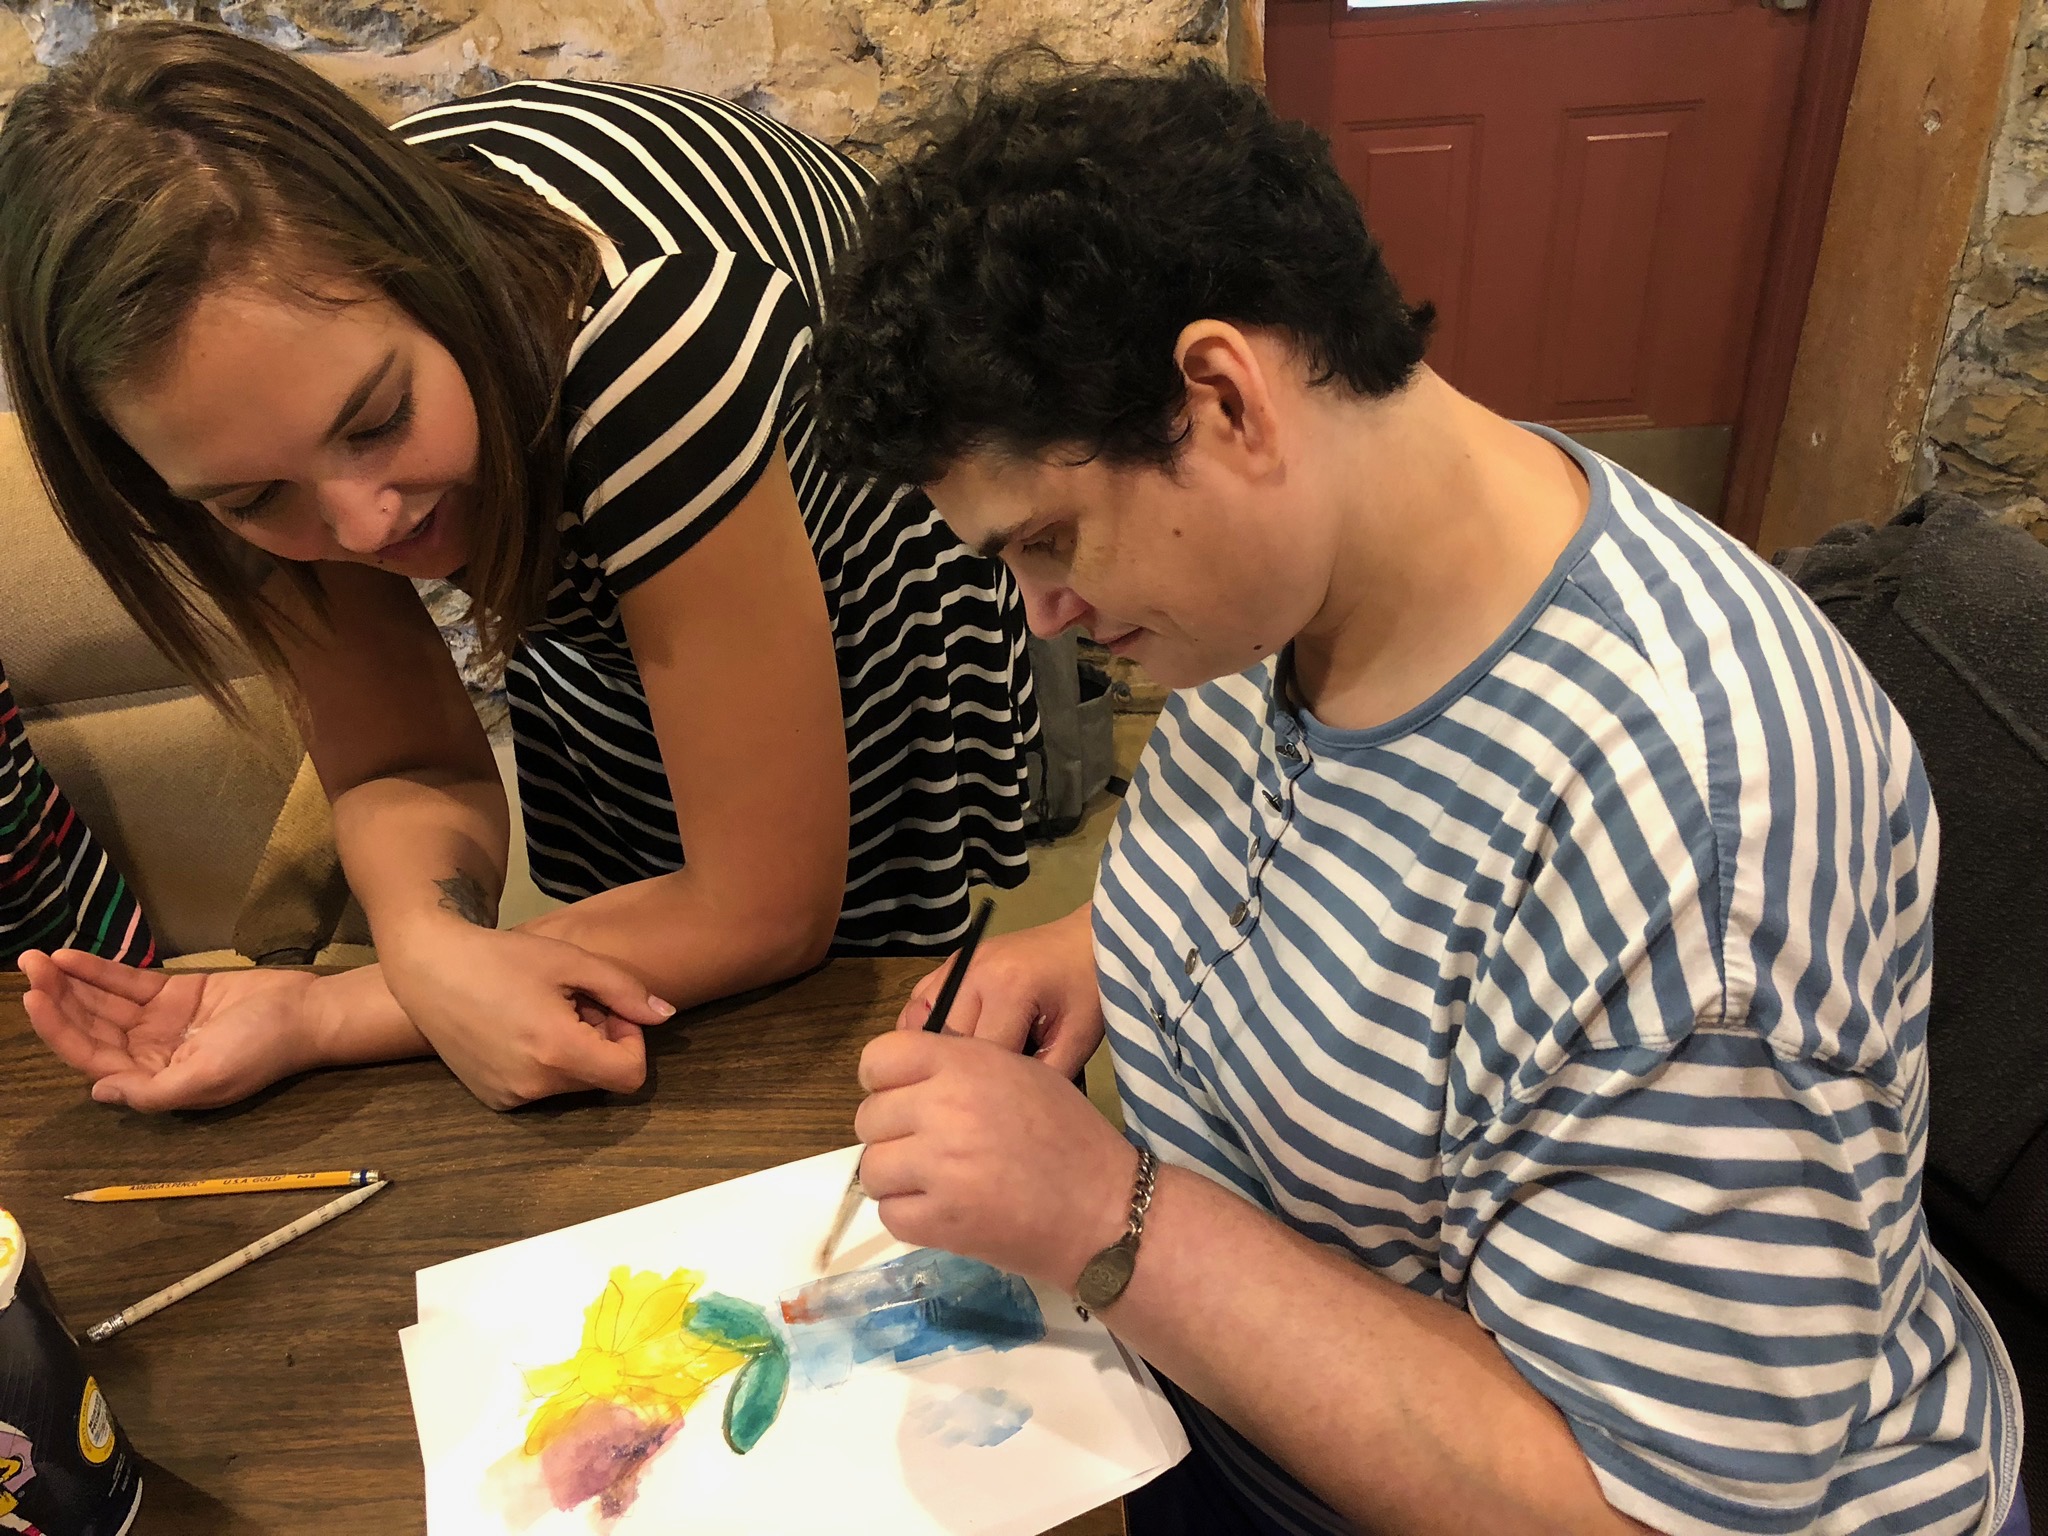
(756, 1398)
(728, 1321)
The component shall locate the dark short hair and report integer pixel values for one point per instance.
(1019, 284)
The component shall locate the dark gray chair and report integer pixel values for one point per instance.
(1948, 607)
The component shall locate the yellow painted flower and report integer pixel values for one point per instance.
(636, 1353)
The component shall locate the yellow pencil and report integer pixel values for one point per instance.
(251, 1184)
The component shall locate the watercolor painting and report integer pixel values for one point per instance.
(924, 1304)
(682, 1367)
(651, 1346)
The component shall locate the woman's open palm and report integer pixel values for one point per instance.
(159, 1040)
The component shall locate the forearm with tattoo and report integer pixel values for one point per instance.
(464, 895)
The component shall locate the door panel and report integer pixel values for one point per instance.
(1605, 259)
(1420, 179)
(1585, 188)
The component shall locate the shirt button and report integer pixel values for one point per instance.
(1239, 913)
(1159, 1016)
(1194, 958)
(1273, 800)
(1290, 751)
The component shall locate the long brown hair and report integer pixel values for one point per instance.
(168, 157)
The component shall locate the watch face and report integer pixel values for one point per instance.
(1106, 1275)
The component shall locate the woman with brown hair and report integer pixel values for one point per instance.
(553, 344)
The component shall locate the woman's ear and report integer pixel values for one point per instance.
(1230, 401)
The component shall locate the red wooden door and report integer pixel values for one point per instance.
(1585, 188)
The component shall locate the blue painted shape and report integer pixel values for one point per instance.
(923, 1304)
(983, 1418)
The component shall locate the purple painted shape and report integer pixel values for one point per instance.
(600, 1455)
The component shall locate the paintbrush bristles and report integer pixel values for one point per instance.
(848, 1204)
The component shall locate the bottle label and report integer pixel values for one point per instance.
(95, 1425)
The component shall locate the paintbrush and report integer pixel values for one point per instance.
(936, 1024)
(99, 1333)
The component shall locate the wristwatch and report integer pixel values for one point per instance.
(1104, 1277)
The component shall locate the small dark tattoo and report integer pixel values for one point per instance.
(464, 895)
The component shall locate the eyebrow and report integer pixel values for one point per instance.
(357, 399)
(995, 543)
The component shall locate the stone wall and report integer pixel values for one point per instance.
(856, 73)
(1987, 417)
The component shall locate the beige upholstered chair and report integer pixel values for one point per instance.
(222, 831)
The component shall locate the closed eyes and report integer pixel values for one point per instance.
(243, 510)
(391, 427)
(1046, 544)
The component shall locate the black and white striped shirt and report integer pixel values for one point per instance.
(692, 366)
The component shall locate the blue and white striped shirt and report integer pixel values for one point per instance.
(1591, 996)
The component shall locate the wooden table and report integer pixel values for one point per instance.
(275, 1401)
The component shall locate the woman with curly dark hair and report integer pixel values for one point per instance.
(1515, 943)
(553, 344)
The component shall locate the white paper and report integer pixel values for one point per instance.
(851, 1459)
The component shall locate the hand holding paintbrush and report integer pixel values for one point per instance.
(936, 1024)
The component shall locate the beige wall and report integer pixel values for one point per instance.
(856, 73)
(1928, 103)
